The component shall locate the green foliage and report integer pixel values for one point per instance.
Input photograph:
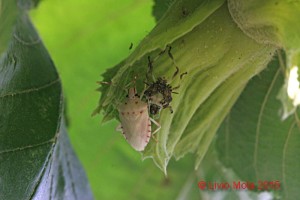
(8, 15)
(32, 138)
(272, 22)
(160, 7)
(255, 142)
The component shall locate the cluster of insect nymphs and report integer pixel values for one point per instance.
(159, 92)
(134, 112)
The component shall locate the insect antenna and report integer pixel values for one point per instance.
(150, 63)
(173, 60)
(176, 72)
(169, 52)
(181, 75)
(154, 138)
(171, 109)
(177, 87)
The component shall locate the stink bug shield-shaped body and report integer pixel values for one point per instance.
(135, 121)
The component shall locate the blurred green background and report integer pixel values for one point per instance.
(84, 38)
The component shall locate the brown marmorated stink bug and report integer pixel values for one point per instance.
(135, 121)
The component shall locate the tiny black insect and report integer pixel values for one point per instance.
(131, 45)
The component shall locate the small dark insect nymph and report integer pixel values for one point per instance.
(159, 95)
(159, 92)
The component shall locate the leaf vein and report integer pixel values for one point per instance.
(37, 41)
(50, 155)
(227, 138)
(284, 155)
(259, 124)
(31, 89)
(69, 170)
(27, 147)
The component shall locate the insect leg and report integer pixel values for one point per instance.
(145, 88)
(181, 75)
(169, 53)
(177, 87)
(119, 128)
(154, 138)
(171, 109)
(158, 128)
(176, 72)
(173, 60)
(157, 124)
(166, 105)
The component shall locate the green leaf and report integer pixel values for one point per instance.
(31, 141)
(272, 22)
(160, 7)
(255, 142)
(63, 177)
(219, 59)
(8, 15)
(213, 173)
